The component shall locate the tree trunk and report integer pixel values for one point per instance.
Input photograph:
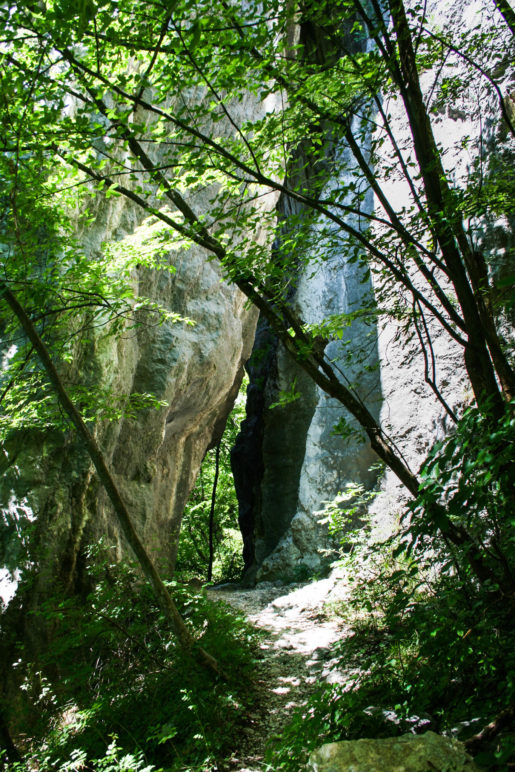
(212, 514)
(6, 744)
(507, 12)
(444, 218)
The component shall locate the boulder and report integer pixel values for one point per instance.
(407, 753)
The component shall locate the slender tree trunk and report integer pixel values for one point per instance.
(212, 514)
(6, 743)
(163, 597)
(507, 12)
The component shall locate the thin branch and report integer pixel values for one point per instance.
(218, 99)
(15, 376)
(155, 53)
(481, 70)
(430, 379)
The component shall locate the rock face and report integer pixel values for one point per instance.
(408, 753)
(194, 370)
(296, 463)
(288, 460)
(197, 372)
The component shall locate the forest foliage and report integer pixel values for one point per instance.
(210, 547)
(110, 99)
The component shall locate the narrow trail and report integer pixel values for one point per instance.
(299, 629)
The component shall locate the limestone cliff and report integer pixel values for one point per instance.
(194, 370)
(297, 463)
(288, 461)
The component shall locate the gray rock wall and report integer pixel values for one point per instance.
(302, 462)
(194, 370)
(282, 517)
(299, 461)
(288, 461)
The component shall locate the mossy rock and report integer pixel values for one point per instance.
(407, 753)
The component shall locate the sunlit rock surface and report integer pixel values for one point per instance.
(321, 459)
(408, 753)
(288, 461)
(195, 372)
(298, 462)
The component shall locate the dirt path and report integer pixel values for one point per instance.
(296, 655)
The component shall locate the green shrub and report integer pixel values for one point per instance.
(430, 646)
(119, 690)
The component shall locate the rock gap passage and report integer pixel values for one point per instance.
(257, 274)
(210, 546)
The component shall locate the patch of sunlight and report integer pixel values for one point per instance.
(293, 680)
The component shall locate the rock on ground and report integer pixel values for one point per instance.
(408, 753)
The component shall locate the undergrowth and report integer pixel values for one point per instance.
(117, 693)
(430, 646)
(423, 654)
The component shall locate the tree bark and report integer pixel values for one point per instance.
(444, 218)
(212, 514)
(507, 13)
